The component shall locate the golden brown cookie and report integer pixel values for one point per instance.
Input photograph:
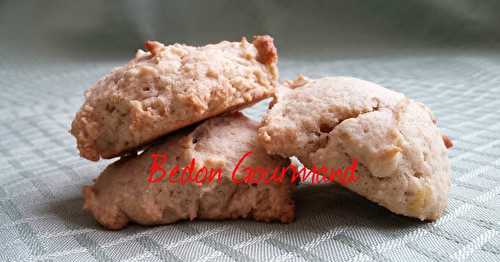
(170, 87)
(402, 155)
(122, 192)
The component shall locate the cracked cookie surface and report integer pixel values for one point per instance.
(122, 194)
(169, 87)
(403, 159)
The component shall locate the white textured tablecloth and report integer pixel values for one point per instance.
(41, 176)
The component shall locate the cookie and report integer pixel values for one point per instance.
(126, 191)
(402, 155)
(170, 87)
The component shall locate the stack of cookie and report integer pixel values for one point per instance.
(181, 102)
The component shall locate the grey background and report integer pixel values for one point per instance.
(94, 29)
(443, 53)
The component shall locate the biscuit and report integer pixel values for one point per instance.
(402, 155)
(170, 87)
(122, 193)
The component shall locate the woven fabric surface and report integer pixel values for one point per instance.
(443, 53)
(41, 176)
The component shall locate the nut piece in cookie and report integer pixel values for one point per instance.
(402, 155)
(169, 87)
(122, 193)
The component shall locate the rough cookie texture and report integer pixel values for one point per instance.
(403, 158)
(122, 194)
(170, 87)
